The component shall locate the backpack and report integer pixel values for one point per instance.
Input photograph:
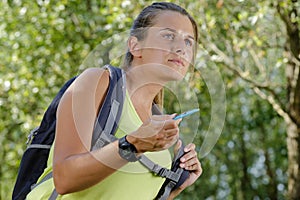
(40, 140)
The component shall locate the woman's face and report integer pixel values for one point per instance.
(169, 45)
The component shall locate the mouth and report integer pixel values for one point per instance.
(177, 62)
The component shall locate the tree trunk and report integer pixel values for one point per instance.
(293, 142)
(288, 14)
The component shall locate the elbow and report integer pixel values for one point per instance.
(60, 182)
(60, 191)
(60, 188)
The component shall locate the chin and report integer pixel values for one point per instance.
(175, 77)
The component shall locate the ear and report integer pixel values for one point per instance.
(134, 46)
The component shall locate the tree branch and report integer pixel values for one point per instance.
(274, 104)
(231, 66)
(260, 67)
(244, 75)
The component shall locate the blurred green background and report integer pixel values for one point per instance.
(254, 45)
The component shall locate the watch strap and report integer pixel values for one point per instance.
(127, 150)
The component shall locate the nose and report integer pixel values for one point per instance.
(180, 51)
(179, 47)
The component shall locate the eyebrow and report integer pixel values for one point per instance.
(173, 30)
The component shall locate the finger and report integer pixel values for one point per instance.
(188, 156)
(192, 164)
(162, 123)
(178, 121)
(172, 142)
(170, 124)
(167, 134)
(189, 147)
(171, 138)
(177, 146)
(196, 167)
(163, 117)
(164, 144)
(189, 162)
(170, 132)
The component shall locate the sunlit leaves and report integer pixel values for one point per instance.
(44, 43)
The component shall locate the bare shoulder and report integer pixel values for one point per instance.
(92, 77)
(78, 110)
(93, 72)
(89, 87)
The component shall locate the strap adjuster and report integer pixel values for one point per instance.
(163, 172)
(31, 135)
(172, 184)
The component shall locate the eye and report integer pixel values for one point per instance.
(188, 42)
(169, 36)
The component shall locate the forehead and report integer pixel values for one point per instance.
(174, 20)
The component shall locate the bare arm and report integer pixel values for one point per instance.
(74, 166)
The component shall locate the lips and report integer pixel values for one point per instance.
(177, 62)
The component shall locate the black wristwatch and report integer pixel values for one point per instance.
(127, 150)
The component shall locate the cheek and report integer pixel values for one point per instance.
(156, 43)
(159, 47)
(189, 56)
(155, 55)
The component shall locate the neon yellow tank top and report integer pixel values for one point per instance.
(131, 182)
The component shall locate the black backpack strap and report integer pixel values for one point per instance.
(174, 177)
(112, 106)
(169, 185)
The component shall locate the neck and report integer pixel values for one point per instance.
(142, 90)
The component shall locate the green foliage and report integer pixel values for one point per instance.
(44, 43)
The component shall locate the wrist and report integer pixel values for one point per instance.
(133, 140)
(127, 150)
(174, 193)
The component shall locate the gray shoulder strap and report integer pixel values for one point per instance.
(111, 108)
(159, 170)
(105, 136)
(53, 195)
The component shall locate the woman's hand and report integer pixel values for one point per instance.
(158, 133)
(190, 162)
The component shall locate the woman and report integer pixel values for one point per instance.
(161, 47)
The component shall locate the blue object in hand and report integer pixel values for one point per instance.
(187, 113)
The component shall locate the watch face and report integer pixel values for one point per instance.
(126, 152)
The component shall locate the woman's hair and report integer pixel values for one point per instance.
(145, 20)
